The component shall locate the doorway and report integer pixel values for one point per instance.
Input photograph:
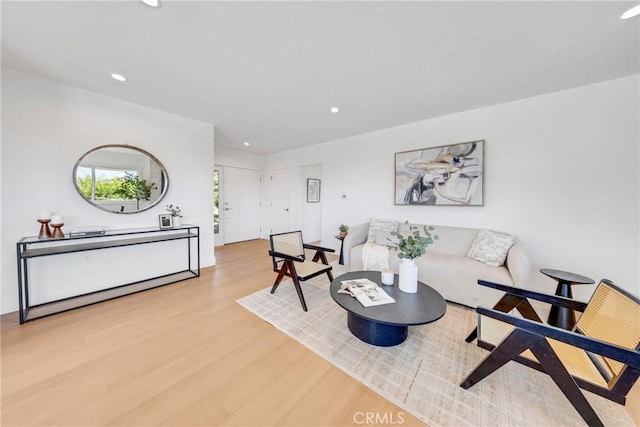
(238, 204)
(280, 204)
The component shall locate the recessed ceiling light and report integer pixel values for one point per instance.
(247, 144)
(118, 77)
(634, 11)
(151, 3)
(335, 110)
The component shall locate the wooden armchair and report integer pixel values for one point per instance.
(601, 354)
(289, 260)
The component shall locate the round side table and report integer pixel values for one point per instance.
(563, 317)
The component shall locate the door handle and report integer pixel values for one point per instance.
(286, 209)
(227, 209)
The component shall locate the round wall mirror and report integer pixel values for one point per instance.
(120, 179)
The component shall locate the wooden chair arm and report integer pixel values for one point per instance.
(317, 248)
(525, 293)
(285, 256)
(593, 345)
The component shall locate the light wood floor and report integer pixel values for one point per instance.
(185, 354)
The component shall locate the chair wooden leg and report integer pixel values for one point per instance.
(559, 374)
(320, 256)
(506, 304)
(514, 344)
(330, 276)
(296, 283)
(281, 274)
(473, 335)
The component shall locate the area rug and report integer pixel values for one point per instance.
(422, 375)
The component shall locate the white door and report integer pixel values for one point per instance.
(280, 201)
(241, 207)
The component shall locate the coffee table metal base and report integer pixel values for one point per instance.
(376, 333)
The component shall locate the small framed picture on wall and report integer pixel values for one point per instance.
(166, 220)
(313, 190)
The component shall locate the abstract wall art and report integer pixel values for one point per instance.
(449, 175)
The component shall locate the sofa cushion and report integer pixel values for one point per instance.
(490, 247)
(380, 224)
(456, 277)
(451, 240)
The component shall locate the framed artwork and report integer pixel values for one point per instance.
(451, 175)
(166, 220)
(313, 190)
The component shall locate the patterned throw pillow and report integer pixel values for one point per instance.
(385, 238)
(490, 247)
(380, 224)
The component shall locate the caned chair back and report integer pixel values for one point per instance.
(286, 243)
(612, 316)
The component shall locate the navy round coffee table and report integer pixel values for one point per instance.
(388, 325)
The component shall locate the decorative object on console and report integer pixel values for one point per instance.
(176, 213)
(344, 229)
(444, 175)
(44, 219)
(56, 224)
(165, 220)
(411, 247)
(87, 231)
(313, 190)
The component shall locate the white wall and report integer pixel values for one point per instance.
(238, 159)
(48, 126)
(562, 172)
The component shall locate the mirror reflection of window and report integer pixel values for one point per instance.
(102, 184)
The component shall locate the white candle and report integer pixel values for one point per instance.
(45, 215)
(56, 219)
(386, 276)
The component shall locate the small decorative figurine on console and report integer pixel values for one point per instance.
(56, 223)
(44, 219)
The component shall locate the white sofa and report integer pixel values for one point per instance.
(445, 266)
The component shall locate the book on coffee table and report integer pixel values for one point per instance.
(367, 292)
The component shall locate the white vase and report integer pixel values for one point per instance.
(177, 221)
(408, 276)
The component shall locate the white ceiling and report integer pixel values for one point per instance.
(268, 72)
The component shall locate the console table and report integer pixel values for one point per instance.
(31, 248)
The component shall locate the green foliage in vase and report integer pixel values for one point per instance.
(414, 244)
(174, 210)
(343, 228)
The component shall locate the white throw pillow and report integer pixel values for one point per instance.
(380, 224)
(490, 247)
(385, 238)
